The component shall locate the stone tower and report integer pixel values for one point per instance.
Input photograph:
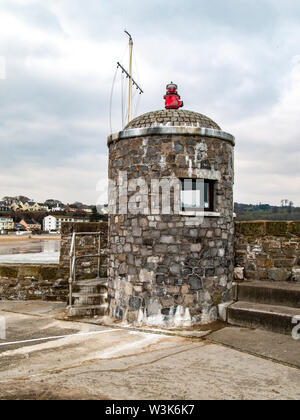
(170, 265)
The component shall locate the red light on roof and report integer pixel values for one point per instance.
(172, 99)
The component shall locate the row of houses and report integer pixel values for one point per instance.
(35, 207)
(8, 224)
(28, 225)
(50, 224)
(26, 206)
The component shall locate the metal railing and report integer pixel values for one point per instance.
(74, 258)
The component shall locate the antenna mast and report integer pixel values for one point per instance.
(128, 74)
(130, 77)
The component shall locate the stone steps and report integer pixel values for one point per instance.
(261, 316)
(266, 305)
(89, 298)
(88, 311)
(95, 286)
(270, 293)
(82, 299)
(90, 295)
(93, 282)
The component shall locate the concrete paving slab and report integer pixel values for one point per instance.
(124, 364)
(278, 347)
(62, 344)
(191, 371)
(34, 307)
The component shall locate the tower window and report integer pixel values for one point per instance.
(197, 195)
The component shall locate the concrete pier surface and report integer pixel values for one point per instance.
(46, 357)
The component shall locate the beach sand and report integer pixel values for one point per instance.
(15, 238)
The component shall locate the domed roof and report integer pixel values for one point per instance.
(172, 117)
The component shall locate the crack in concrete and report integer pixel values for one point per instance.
(92, 361)
(140, 364)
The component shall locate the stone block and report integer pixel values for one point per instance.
(279, 274)
(223, 281)
(196, 247)
(198, 271)
(284, 263)
(223, 310)
(148, 242)
(262, 274)
(178, 147)
(185, 289)
(127, 248)
(209, 283)
(173, 249)
(276, 228)
(153, 307)
(209, 272)
(173, 290)
(167, 301)
(123, 269)
(160, 249)
(175, 269)
(188, 300)
(137, 232)
(251, 228)
(132, 317)
(146, 276)
(135, 303)
(294, 228)
(195, 283)
(265, 262)
(167, 239)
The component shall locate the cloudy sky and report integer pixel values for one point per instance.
(237, 61)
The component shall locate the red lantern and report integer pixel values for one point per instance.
(172, 99)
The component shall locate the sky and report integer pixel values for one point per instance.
(236, 61)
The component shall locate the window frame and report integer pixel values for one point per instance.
(211, 195)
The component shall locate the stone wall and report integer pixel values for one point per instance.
(268, 250)
(162, 269)
(32, 282)
(86, 268)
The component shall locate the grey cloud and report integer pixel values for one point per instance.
(36, 14)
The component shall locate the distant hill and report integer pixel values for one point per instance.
(246, 212)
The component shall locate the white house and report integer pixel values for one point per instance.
(87, 209)
(43, 207)
(53, 223)
(58, 207)
(6, 223)
(49, 224)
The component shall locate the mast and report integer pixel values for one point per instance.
(130, 77)
(131, 82)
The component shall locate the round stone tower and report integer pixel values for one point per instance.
(171, 219)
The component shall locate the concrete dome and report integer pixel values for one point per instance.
(172, 117)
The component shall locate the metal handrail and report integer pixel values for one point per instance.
(74, 257)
